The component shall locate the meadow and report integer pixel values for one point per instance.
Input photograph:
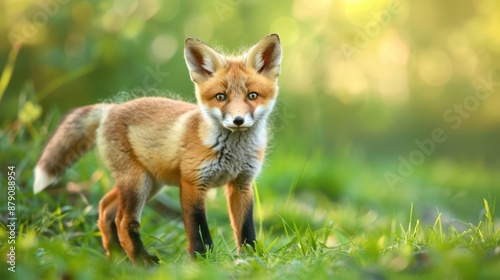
(383, 160)
(315, 217)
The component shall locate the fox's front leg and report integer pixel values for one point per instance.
(240, 204)
(195, 220)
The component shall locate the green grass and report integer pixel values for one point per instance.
(316, 217)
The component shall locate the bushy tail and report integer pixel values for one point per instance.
(72, 139)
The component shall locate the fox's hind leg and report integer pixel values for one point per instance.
(133, 184)
(134, 189)
(107, 214)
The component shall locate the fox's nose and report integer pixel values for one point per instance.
(238, 120)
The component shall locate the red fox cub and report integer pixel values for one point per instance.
(150, 142)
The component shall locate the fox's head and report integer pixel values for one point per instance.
(236, 92)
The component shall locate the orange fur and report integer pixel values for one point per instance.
(150, 142)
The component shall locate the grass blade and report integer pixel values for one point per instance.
(9, 69)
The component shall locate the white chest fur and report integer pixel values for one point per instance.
(236, 157)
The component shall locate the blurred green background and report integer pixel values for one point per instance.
(365, 86)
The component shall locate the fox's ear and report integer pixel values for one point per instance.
(265, 56)
(202, 61)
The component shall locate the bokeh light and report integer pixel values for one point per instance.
(288, 29)
(164, 47)
(200, 27)
(435, 67)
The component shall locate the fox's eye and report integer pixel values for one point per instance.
(220, 97)
(252, 95)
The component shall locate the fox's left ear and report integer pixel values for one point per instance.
(265, 56)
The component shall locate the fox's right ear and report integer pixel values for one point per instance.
(202, 61)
